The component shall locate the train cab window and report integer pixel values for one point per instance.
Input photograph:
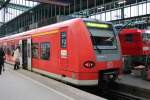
(45, 51)
(63, 40)
(35, 53)
(146, 36)
(129, 38)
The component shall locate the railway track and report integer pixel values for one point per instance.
(117, 95)
(111, 94)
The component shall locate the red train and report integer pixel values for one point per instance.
(135, 45)
(78, 51)
(135, 42)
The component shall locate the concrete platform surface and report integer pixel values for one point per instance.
(134, 81)
(26, 85)
(133, 85)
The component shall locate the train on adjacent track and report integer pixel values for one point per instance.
(135, 42)
(78, 51)
(135, 47)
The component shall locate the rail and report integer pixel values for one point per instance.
(117, 95)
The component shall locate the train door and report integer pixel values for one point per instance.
(24, 54)
(63, 48)
(29, 63)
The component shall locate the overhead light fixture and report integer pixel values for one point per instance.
(102, 7)
(80, 12)
(122, 2)
(55, 2)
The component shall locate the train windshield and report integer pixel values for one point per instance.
(102, 35)
(146, 37)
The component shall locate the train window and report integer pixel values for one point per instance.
(35, 53)
(129, 38)
(63, 40)
(147, 36)
(45, 51)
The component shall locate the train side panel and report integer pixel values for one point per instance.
(78, 50)
(48, 64)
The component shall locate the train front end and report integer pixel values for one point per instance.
(146, 42)
(106, 50)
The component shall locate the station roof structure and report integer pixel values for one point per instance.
(56, 2)
(67, 2)
(4, 3)
(23, 16)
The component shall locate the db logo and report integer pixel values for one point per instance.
(109, 64)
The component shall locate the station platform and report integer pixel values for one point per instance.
(25, 85)
(134, 85)
(134, 81)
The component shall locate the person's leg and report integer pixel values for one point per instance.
(3, 67)
(18, 66)
(0, 69)
(15, 66)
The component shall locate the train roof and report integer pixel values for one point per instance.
(38, 30)
(95, 20)
(51, 27)
(129, 31)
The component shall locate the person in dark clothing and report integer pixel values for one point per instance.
(2, 55)
(3, 62)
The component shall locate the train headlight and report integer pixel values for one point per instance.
(89, 64)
